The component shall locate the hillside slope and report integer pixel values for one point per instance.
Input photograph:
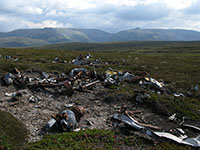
(156, 35)
(33, 37)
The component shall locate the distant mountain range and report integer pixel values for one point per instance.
(39, 37)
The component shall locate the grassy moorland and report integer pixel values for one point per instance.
(175, 63)
(98, 140)
(13, 134)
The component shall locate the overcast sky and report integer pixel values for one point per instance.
(107, 15)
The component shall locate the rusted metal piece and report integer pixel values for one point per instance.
(16, 71)
(150, 126)
(90, 84)
(69, 88)
(79, 112)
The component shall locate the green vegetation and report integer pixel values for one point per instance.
(175, 63)
(98, 140)
(88, 139)
(137, 46)
(21, 42)
(36, 37)
(13, 134)
(168, 105)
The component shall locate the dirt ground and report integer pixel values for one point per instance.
(99, 109)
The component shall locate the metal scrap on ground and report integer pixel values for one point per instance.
(147, 129)
(81, 60)
(66, 120)
(80, 79)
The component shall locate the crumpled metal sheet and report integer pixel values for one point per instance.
(116, 77)
(65, 121)
(195, 142)
(129, 121)
(126, 77)
(191, 126)
(179, 95)
(173, 138)
(77, 70)
(46, 75)
(81, 60)
(50, 123)
(152, 81)
(9, 78)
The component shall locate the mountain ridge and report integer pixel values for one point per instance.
(45, 36)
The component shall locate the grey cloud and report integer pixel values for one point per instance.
(152, 11)
(10, 23)
(149, 12)
(100, 10)
(20, 8)
(193, 9)
(111, 18)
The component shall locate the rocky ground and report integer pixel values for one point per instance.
(99, 106)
